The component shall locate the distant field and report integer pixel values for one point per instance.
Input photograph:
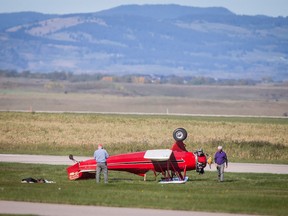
(249, 139)
(99, 96)
(244, 139)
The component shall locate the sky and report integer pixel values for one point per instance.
(273, 8)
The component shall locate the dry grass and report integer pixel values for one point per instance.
(97, 96)
(249, 139)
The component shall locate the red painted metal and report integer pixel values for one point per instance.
(179, 161)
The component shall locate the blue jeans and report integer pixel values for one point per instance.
(101, 167)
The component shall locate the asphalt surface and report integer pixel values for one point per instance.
(8, 207)
(64, 160)
(44, 209)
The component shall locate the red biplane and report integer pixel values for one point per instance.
(171, 163)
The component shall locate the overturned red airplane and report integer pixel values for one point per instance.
(171, 163)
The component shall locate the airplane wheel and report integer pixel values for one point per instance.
(179, 134)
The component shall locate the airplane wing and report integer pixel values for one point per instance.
(158, 154)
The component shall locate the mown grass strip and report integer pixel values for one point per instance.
(262, 194)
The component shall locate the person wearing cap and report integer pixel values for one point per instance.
(101, 155)
(220, 159)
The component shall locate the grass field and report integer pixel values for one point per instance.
(261, 194)
(244, 139)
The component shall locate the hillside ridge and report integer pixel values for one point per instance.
(147, 39)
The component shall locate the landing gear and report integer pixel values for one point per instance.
(179, 134)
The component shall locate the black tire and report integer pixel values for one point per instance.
(179, 134)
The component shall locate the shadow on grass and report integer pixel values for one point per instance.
(121, 179)
(228, 180)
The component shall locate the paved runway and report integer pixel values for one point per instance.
(45, 209)
(64, 160)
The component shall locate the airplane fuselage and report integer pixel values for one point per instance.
(136, 163)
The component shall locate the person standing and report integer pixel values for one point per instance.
(220, 159)
(101, 155)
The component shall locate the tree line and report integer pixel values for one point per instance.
(132, 78)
